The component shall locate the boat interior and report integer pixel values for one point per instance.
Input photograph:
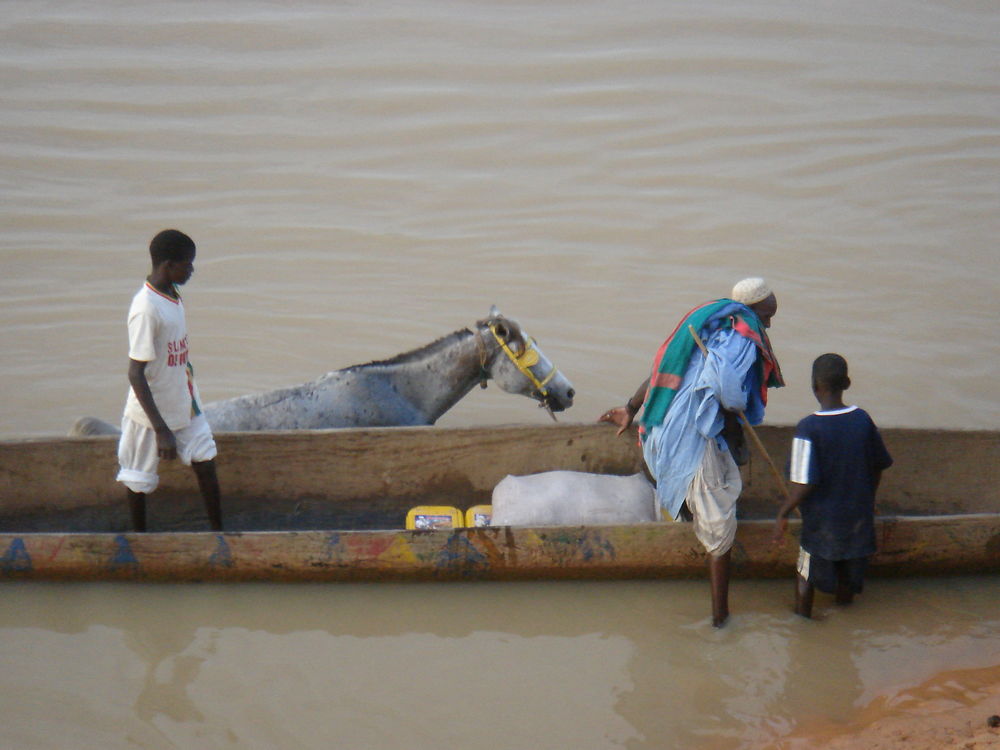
(366, 479)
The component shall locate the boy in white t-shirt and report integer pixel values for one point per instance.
(163, 416)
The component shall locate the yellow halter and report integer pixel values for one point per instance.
(525, 361)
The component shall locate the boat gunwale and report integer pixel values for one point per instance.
(909, 546)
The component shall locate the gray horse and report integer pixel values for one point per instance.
(414, 388)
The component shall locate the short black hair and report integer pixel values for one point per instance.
(171, 244)
(830, 370)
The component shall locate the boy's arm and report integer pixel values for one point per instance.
(166, 444)
(796, 495)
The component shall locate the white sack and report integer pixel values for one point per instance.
(573, 498)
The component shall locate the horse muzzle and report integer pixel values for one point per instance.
(558, 400)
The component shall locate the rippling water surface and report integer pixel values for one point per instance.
(556, 665)
(361, 181)
(364, 178)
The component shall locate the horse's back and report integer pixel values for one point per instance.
(89, 426)
(338, 399)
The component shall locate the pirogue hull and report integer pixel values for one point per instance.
(330, 506)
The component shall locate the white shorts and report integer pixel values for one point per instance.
(139, 458)
(712, 497)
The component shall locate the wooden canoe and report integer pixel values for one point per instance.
(330, 506)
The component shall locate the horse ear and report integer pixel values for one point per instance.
(509, 332)
(515, 337)
(494, 311)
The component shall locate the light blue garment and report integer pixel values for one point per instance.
(725, 379)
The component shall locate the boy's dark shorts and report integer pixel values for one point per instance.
(825, 574)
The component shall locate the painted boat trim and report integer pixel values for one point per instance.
(907, 546)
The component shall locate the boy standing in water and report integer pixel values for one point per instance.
(163, 417)
(837, 461)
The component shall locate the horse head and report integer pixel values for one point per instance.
(518, 365)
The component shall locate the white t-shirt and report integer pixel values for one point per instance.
(157, 335)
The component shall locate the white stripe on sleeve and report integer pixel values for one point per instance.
(803, 565)
(801, 453)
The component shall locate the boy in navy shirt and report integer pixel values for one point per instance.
(837, 461)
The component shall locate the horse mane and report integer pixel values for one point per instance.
(417, 354)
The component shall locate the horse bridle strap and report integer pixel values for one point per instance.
(525, 361)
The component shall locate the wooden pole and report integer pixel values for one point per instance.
(753, 434)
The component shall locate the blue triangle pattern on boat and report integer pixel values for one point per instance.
(331, 546)
(459, 553)
(123, 553)
(16, 559)
(222, 555)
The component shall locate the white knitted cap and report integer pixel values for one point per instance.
(751, 291)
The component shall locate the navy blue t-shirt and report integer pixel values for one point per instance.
(839, 453)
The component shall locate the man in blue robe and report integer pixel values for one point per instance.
(687, 402)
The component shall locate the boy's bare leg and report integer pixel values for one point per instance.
(843, 595)
(718, 573)
(208, 482)
(803, 597)
(137, 509)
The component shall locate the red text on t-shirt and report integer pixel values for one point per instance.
(177, 353)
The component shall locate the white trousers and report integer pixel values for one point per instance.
(711, 498)
(139, 459)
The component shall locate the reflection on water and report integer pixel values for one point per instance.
(628, 664)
